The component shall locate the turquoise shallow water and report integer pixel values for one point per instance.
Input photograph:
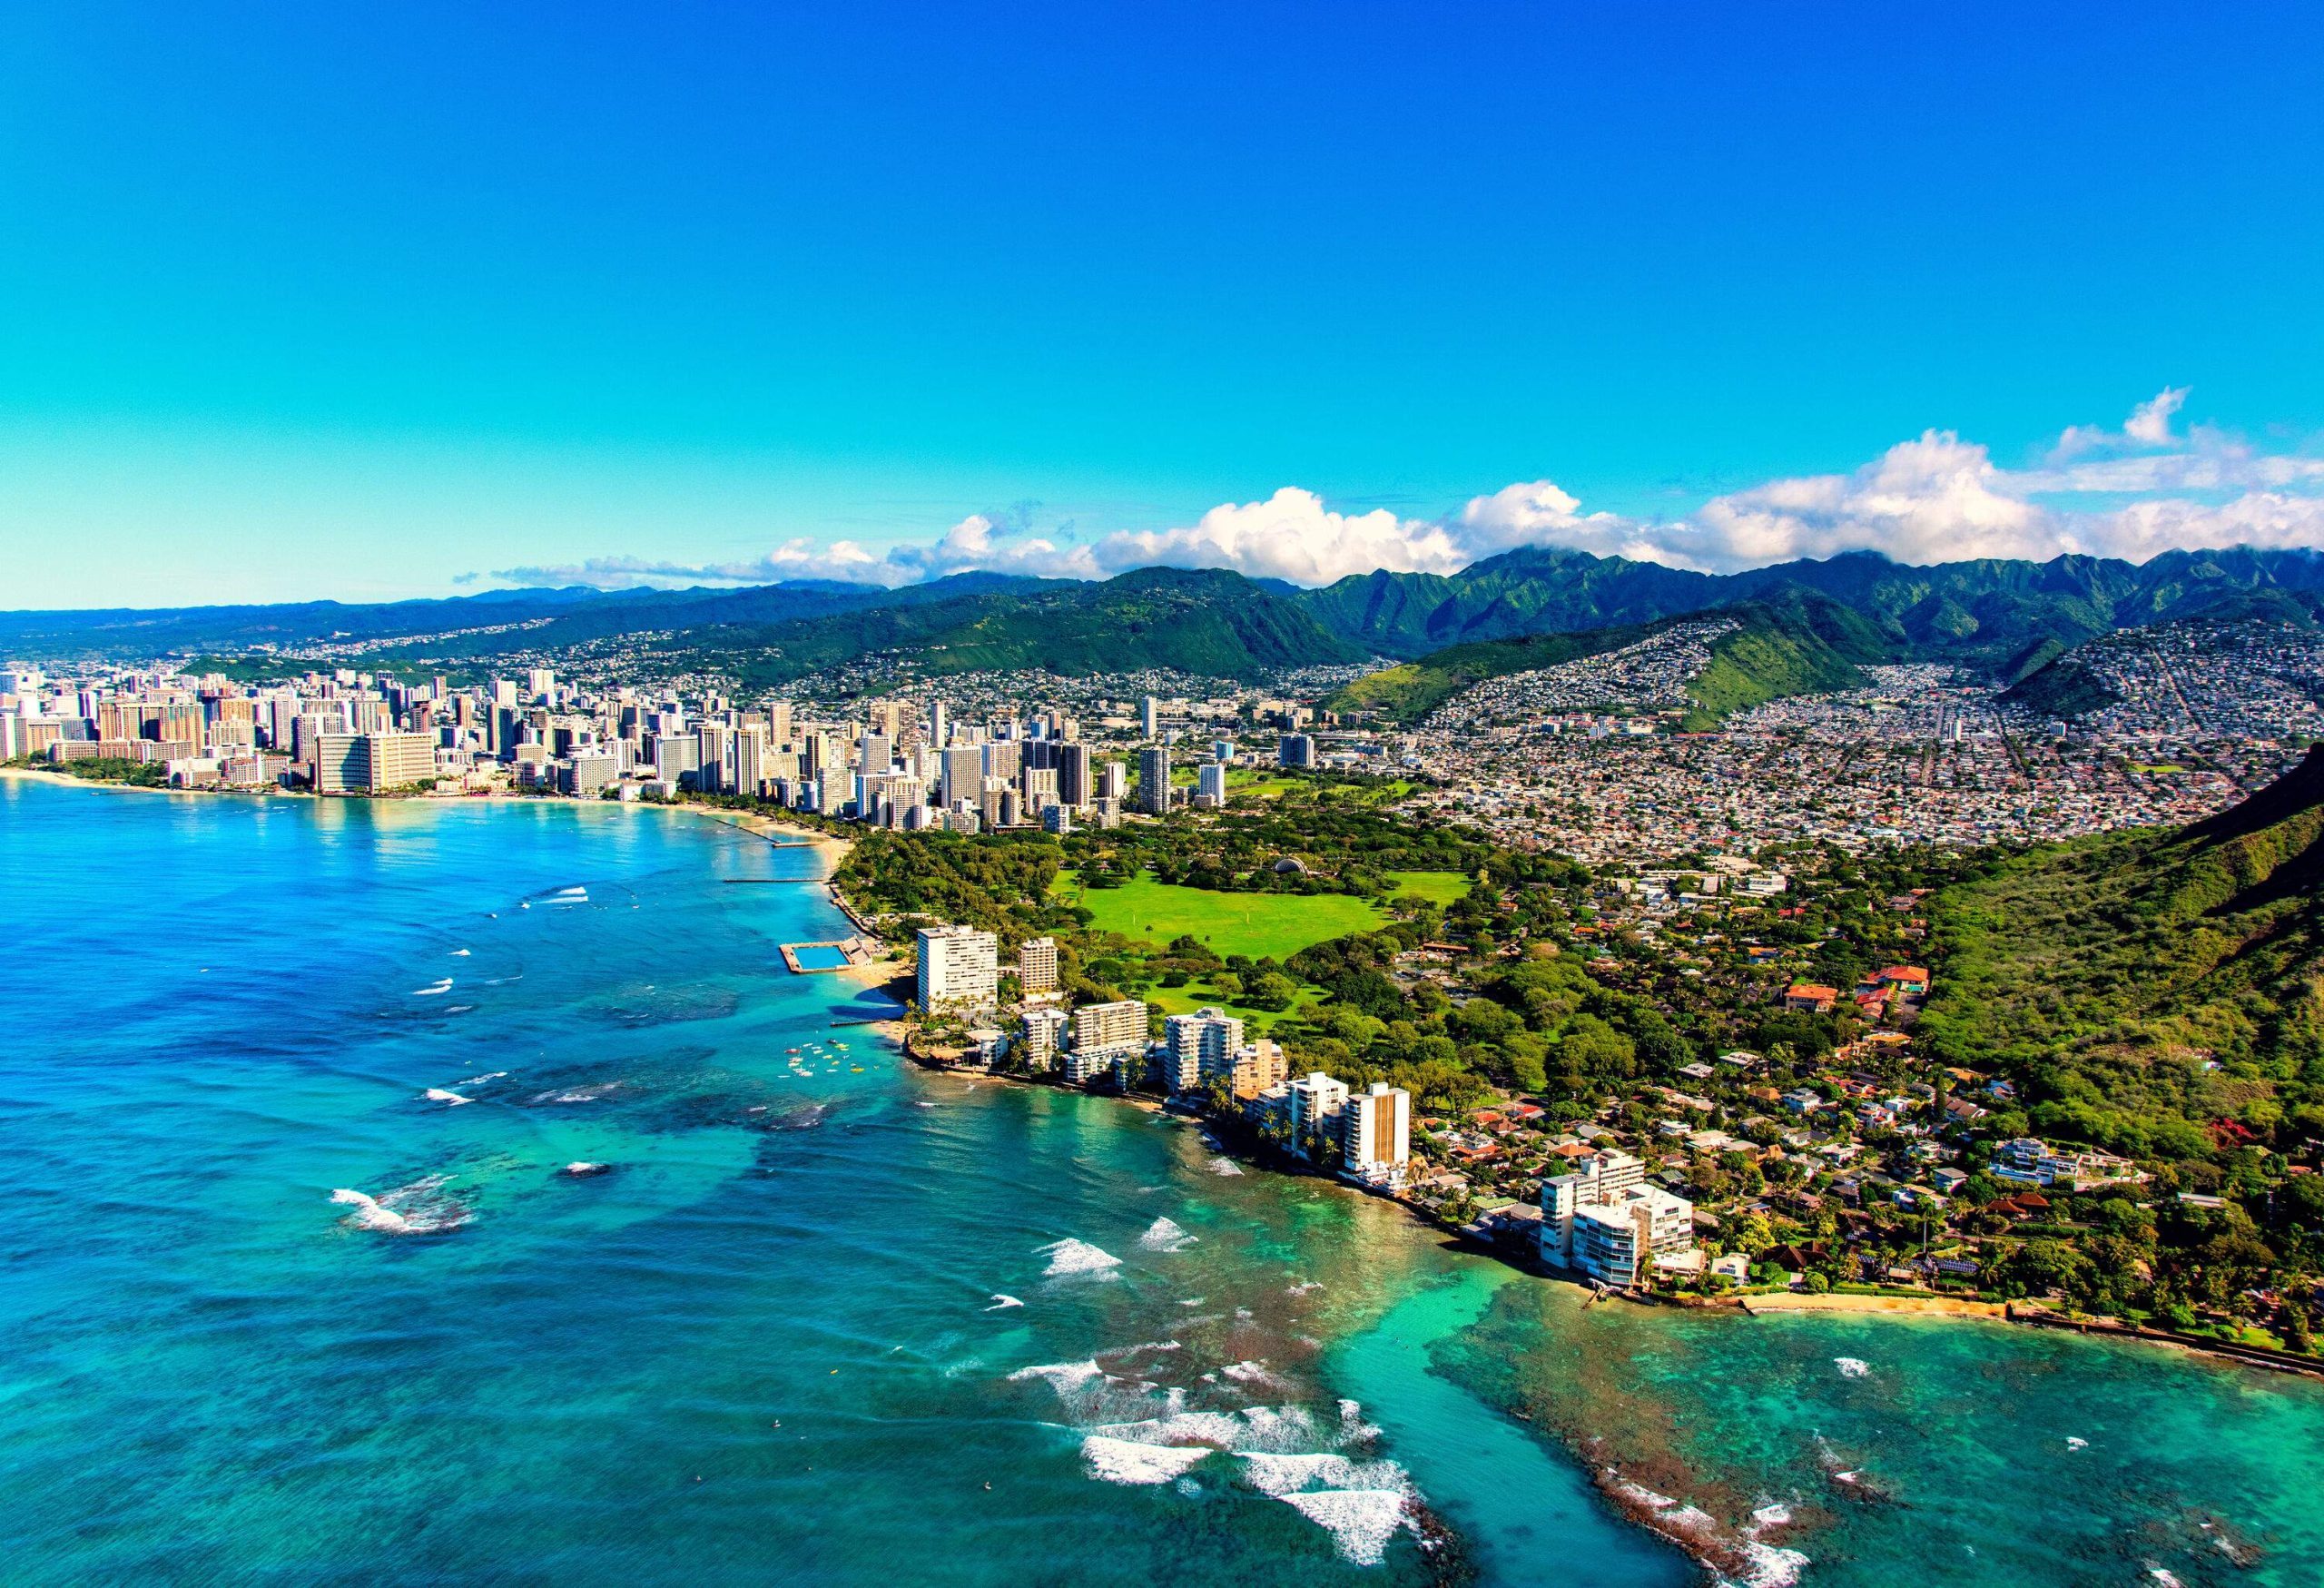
(825, 1318)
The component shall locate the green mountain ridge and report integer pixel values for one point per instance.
(1797, 643)
(2154, 992)
(1207, 622)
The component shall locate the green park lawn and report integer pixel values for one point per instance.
(1436, 887)
(1262, 925)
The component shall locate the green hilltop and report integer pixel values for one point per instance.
(2152, 993)
(1797, 643)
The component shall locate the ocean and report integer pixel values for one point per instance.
(300, 1291)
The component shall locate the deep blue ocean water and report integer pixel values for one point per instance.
(825, 1318)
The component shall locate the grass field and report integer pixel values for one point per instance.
(1436, 887)
(1258, 924)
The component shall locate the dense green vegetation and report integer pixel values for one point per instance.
(104, 769)
(1769, 655)
(2060, 687)
(1409, 692)
(1799, 644)
(1205, 622)
(2154, 993)
(1988, 612)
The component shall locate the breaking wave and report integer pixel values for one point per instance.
(1166, 1235)
(1072, 1256)
(1126, 1461)
(420, 1207)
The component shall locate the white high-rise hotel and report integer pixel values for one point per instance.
(958, 970)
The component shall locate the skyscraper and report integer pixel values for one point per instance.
(1154, 780)
(1075, 784)
(1149, 717)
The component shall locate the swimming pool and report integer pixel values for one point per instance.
(818, 956)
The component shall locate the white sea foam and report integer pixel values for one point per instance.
(1061, 1377)
(1071, 1257)
(1304, 1287)
(1225, 1166)
(1252, 1372)
(459, 953)
(1166, 1235)
(480, 1079)
(1852, 1366)
(577, 1094)
(2164, 1579)
(420, 1207)
(1359, 1521)
(436, 1094)
(1000, 1301)
(435, 990)
(2075, 1443)
(368, 1214)
(1126, 1461)
(1767, 1565)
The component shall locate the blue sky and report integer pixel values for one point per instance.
(373, 301)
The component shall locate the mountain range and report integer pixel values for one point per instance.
(2009, 618)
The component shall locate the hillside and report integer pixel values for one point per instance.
(2152, 993)
(1209, 622)
(1796, 644)
(1990, 613)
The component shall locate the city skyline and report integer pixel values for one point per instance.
(377, 308)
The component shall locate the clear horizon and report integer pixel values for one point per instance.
(385, 306)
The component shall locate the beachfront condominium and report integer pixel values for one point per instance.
(1603, 1218)
(1043, 1035)
(958, 970)
(1108, 1042)
(371, 762)
(1154, 780)
(1036, 965)
(1201, 1046)
(1110, 1025)
(1317, 1100)
(1376, 1135)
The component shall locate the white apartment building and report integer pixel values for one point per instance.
(1376, 1136)
(1605, 1221)
(958, 970)
(1043, 1036)
(1318, 1102)
(1201, 1045)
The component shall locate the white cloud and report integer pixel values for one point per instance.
(2150, 422)
(1935, 498)
(1292, 535)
